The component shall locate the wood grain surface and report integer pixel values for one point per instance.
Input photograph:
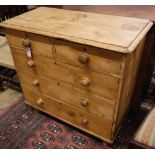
(70, 114)
(83, 27)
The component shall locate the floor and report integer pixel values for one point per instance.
(7, 99)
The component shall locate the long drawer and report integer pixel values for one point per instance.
(93, 124)
(74, 96)
(87, 57)
(88, 80)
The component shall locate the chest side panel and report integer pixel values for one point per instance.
(131, 65)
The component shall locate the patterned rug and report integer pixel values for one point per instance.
(21, 126)
(25, 127)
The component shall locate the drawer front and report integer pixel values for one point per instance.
(89, 58)
(33, 97)
(91, 81)
(81, 99)
(93, 124)
(41, 64)
(41, 44)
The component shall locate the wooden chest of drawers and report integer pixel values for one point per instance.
(78, 67)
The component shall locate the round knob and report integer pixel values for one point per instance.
(40, 101)
(26, 42)
(84, 121)
(83, 58)
(85, 82)
(35, 83)
(31, 63)
(84, 102)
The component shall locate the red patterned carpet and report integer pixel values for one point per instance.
(21, 126)
(25, 127)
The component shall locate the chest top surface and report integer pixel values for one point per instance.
(120, 34)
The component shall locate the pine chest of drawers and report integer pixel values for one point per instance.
(78, 67)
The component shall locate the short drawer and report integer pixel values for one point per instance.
(40, 44)
(93, 124)
(98, 83)
(89, 58)
(82, 99)
(39, 64)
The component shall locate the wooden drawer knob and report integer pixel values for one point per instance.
(31, 63)
(26, 42)
(40, 101)
(84, 121)
(35, 83)
(83, 58)
(84, 102)
(85, 82)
